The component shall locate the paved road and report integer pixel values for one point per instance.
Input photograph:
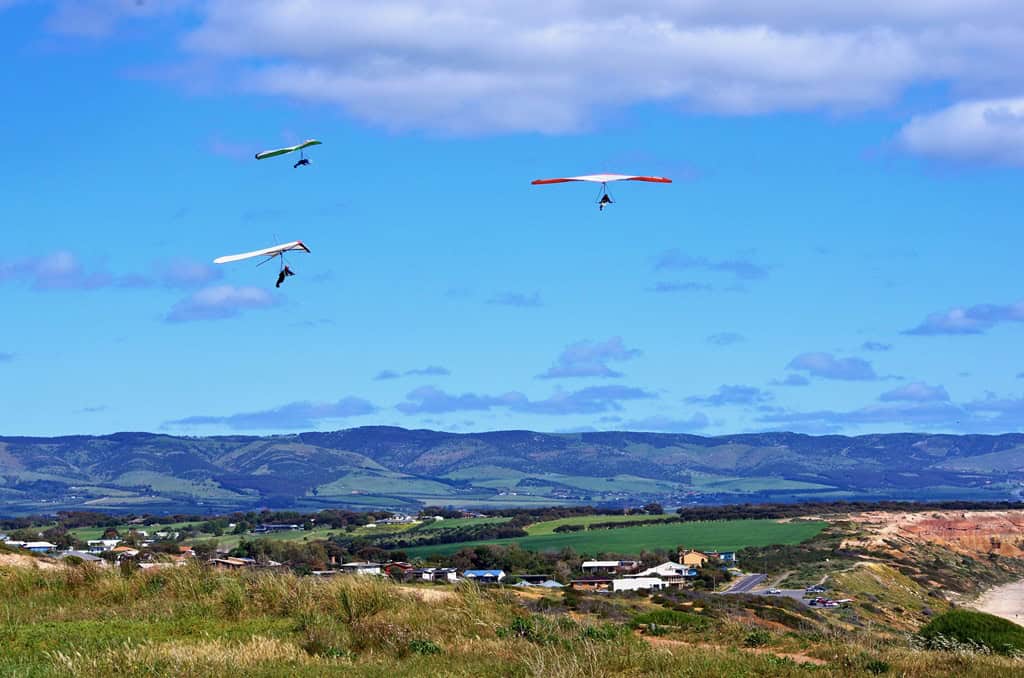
(746, 584)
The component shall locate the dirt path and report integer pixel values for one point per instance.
(794, 656)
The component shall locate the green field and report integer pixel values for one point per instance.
(726, 535)
(548, 526)
(463, 522)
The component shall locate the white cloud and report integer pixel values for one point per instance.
(552, 66)
(827, 366)
(219, 302)
(990, 131)
(918, 392)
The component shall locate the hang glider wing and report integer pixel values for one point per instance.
(290, 149)
(602, 179)
(268, 252)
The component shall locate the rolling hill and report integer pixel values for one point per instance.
(397, 468)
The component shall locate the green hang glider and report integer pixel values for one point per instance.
(290, 149)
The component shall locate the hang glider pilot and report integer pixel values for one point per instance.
(285, 272)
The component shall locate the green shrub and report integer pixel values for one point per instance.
(757, 638)
(975, 628)
(683, 620)
(421, 646)
(603, 632)
(877, 667)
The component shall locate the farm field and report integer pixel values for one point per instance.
(549, 526)
(463, 522)
(726, 535)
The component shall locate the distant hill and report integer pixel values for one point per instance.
(374, 467)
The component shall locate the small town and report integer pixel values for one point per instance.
(143, 550)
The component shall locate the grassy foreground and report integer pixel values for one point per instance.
(195, 621)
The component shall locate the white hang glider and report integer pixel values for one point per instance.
(604, 180)
(268, 254)
(290, 149)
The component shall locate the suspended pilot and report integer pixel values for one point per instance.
(303, 161)
(605, 200)
(285, 272)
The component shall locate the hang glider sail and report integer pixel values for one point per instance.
(291, 149)
(268, 254)
(604, 180)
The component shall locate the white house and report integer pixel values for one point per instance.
(669, 572)
(638, 584)
(360, 568)
(39, 546)
(609, 566)
(101, 545)
(485, 576)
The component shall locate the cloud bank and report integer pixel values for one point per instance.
(590, 359)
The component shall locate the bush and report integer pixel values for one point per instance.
(682, 620)
(757, 638)
(975, 628)
(877, 667)
(421, 646)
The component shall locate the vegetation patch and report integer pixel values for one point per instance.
(975, 628)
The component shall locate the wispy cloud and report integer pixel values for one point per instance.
(518, 299)
(827, 366)
(732, 395)
(673, 287)
(60, 270)
(220, 302)
(293, 416)
(725, 338)
(792, 380)
(918, 392)
(187, 273)
(742, 269)
(667, 424)
(590, 359)
(875, 346)
(970, 320)
(592, 400)
(6, 357)
(428, 371)
(64, 270)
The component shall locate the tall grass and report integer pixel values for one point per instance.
(195, 621)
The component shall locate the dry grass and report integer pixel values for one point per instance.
(200, 622)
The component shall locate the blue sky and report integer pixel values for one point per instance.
(839, 251)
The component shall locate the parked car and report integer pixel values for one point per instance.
(816, 589)
(774, 592)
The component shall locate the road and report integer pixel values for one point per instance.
(745, 584)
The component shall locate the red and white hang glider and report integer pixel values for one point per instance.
(269, 253)
(604, 180)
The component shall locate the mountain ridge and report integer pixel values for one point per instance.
(393, 467)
